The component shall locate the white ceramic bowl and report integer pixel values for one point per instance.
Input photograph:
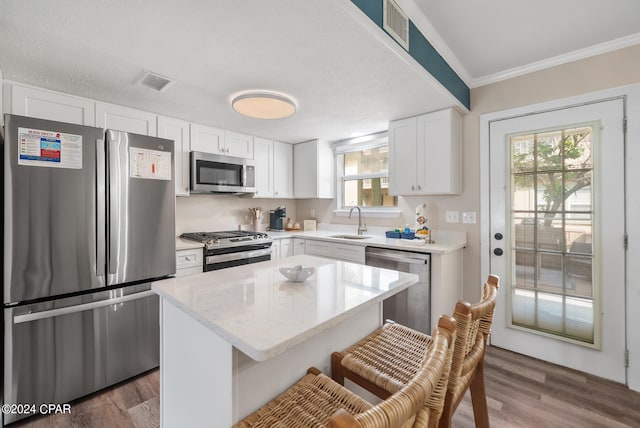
(297, 273)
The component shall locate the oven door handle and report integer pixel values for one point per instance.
(237, 256)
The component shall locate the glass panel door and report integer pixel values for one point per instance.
(551, 223)
(557, 227)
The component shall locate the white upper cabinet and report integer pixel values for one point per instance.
(274, 169)
(178, 131)
(282, 170)
(43, 104)
(313, 170)
(239, 145)
(111, 116)
(425, 154)
(208, 139)
(263, 155)
(402, 156)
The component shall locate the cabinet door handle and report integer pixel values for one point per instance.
(419, 188)
(413, 188)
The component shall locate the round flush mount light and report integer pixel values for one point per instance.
(263, 105)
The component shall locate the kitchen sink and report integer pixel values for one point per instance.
(350, 236)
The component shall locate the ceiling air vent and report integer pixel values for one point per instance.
(154, 81)
(396, 23)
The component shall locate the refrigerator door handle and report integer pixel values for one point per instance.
(101, 222)
(114, 168)
(18, 319)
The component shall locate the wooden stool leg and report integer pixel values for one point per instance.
(447, 411)
(336, 367)
(479, 398)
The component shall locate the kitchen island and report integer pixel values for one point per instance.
(232, 339)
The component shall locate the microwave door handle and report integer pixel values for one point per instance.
(244, 176)
(101, 224)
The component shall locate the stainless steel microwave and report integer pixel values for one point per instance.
(221, 174)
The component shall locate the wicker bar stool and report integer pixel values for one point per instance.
(317, 401)
(384, 361)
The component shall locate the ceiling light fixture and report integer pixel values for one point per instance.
(263, 105)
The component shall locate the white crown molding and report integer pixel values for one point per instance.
(431, 34)
(579, 54)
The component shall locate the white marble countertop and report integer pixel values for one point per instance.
(259, 312)
(186, 244)
(443, 242)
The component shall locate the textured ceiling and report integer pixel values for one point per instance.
(325, 54)
(344, 73)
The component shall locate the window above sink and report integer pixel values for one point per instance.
(362, 172)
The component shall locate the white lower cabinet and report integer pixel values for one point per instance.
(318, 248)
(275, 249)
(299, 246)
(286, 248)
(334, 250)
(350, 253)
(189, 262)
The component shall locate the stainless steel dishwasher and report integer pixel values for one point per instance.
(411, 307)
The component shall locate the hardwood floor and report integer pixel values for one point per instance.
(525, 392)
(132, 404)
(521, 391)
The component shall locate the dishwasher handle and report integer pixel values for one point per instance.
(397, 256)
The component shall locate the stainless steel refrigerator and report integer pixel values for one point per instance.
(89, 221)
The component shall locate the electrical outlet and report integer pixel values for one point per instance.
(469, 217)
(452, 217)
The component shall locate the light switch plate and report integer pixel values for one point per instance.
(469, 217)
(452, 217)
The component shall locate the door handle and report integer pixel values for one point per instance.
(498, 236)
(101, 222)
(18, 319)
(498, 252)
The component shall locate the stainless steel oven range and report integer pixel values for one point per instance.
(232, 248)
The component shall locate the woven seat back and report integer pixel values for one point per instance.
(473, 329)
(407, 406)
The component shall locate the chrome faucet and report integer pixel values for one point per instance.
(361, 228)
